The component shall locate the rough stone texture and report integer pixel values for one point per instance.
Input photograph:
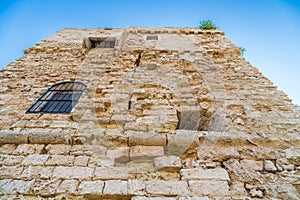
(167, 187)
(115, 187)
(91, 187)
(106, 173)
(136, 187)
(167, 163)
(120, 154)
(194, 120)
(209, 188)
(67, 187)
(204, 174)
(142, 153)
(81, 173)
(269, 166)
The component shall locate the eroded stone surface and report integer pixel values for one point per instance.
(169, 113)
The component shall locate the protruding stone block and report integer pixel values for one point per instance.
(49, 138)
(252, 165)
(270, 166)
(136, 187)
(146, 139)
(7, 137)
(120, 154)
(178, 143)
(141, 153)
(167, 163)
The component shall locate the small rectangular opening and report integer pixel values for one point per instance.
(152, 37)
(103, 42)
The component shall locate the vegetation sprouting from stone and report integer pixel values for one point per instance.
(242, 51)
(207, 25)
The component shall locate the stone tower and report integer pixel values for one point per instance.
(144, 114)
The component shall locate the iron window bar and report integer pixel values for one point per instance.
(59, 98)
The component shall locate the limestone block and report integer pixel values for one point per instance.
(252, 165)
(158, 187)
(210, 188)
(45, 187)
(62, 149)
(221, 152)
(132, 126)
(146, 139)
(8, 186)
(81, 173)
(9, 160)
(122, 173)
(7, 148)
(81, 161)
(42, 172)
(35, 159)
(89, 150)
(142, 153)
(49, 138)
(101, 162)
(67, 187)
(204, 174)
(13, 137)
(60, 160)
(237, 189)
(120, 154)
(167, 163)
(26, 149)
(136, 187)
(115, 187)
(90, 187)
(285, 164)
(256, 193)
(270, 166)
(178, 143)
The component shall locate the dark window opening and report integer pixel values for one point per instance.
(103, 42)
(152, 37)
(59, 98)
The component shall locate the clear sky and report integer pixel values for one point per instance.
(268, 29)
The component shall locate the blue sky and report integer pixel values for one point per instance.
(268, 29)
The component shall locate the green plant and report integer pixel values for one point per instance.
(207, 25)
(242, 51)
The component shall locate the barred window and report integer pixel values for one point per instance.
(59, 98)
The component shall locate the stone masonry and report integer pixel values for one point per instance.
(168, 114)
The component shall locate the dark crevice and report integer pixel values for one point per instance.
(138, 60)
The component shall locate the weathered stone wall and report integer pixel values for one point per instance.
(193, 121)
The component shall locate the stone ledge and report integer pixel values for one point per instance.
(49, 138)
(146, 139)
(173, 142)
(7, 137)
